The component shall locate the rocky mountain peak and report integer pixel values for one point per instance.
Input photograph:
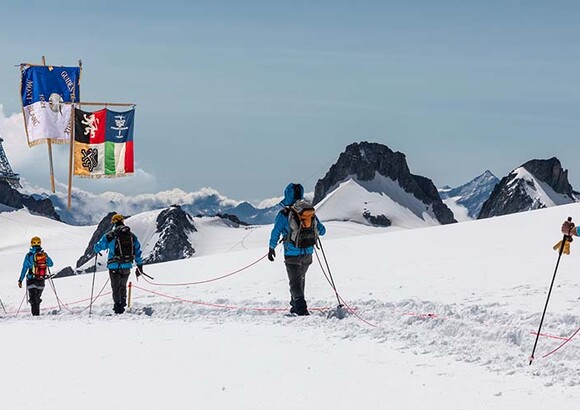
(551, 172)
(537, 184)
(173, 226)
(365, 160)
(473, 194)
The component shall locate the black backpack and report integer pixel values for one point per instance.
(124, 248)
(303, 226)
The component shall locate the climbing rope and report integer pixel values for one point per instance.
(206, 280)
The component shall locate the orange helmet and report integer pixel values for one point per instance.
(35, 241)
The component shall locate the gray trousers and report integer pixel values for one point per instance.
(119, 278)
(296, 267)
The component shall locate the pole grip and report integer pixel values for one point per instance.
(129, 297)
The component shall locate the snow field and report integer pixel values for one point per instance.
(483, 283)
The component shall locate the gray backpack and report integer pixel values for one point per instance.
(303, 226)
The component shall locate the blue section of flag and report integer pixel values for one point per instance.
(40, 82)
(119, 126)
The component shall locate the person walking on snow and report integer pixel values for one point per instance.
(123, 249)
(299, 236)
(35, 268)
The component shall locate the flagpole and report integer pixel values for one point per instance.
(71, 149)
(49, 143)
(70, 159)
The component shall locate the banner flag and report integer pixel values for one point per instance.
(44, 90)
(103, 143)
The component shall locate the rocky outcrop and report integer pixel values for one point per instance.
(365, 160)
(103, 227)
(522, 189)
(551, 172)
(173, 226)
(38, 206)
(377, 220)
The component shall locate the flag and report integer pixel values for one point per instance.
(103, 143)
(44, 90)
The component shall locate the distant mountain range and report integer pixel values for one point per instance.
(467, 200)
(369, 184)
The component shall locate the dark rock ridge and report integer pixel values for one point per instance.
(551, 172)
(63, 273)
(38, 206)
(510, 195)
(473, 194)
(103, 227)
(173, 225)
(363, 160)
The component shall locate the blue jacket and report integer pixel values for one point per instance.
(109, 246)
(282, 227)
(28, 264)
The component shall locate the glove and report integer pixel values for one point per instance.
(20, 284)
(566, 250)
(271, 254)
(139, 270)
(99, 253)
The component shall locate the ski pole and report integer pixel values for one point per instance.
(329, 274)
(93, 285)
(548, 299)
(147, 276)
(2, 303)
(53, 288)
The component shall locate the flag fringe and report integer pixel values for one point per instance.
(105, 176)
(45, 140)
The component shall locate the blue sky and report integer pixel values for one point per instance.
(246, 96)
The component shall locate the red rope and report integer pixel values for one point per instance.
(562, 344)
(215, 305)
(207, 280)
(548, 336)
(340, 298)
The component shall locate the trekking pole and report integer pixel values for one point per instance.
(548, 299)
(2, 303)
(329, 274)
(340, 313)
(93, 285)
(53, 288)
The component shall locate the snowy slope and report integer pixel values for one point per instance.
(451, 309)
(541, 193)
(381, 196)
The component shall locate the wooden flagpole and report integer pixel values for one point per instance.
(71, 151)
(49, 143)
(70, 159)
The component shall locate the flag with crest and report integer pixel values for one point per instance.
(103, 143)
(45, 90)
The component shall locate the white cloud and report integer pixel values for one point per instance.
(32, 163)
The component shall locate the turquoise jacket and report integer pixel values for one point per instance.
(29, 263)
(282, 227)
(107, 242)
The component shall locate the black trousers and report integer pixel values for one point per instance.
(35, 288)
(296, 267)
(119, 278)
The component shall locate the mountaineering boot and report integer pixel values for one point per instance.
(35, 309)
(299, 307)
